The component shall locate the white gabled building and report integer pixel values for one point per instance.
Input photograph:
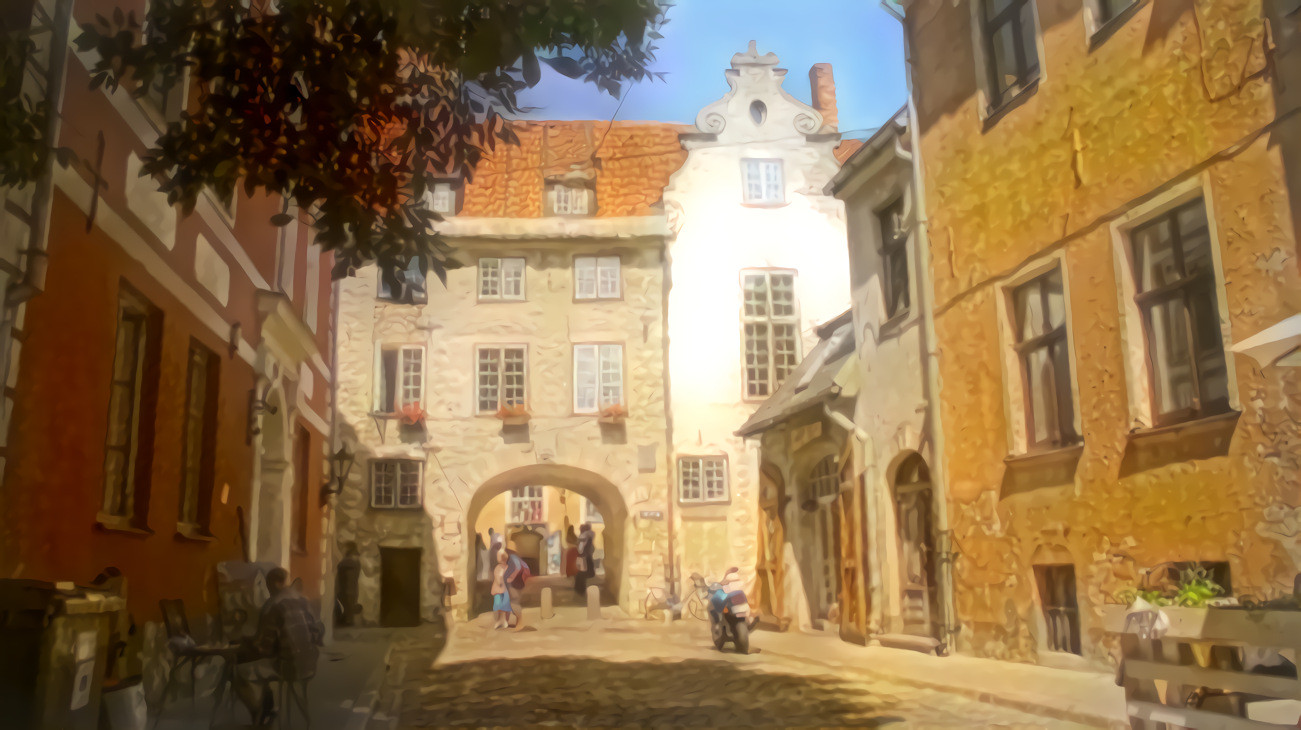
(756, 261)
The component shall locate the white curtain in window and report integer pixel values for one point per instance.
(585, 374)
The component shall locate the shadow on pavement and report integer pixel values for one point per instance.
(575, 691)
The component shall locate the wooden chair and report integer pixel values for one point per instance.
(185, 650)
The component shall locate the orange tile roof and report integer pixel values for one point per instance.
(630, 161)
(846, 149)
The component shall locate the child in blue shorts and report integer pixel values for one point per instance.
(500, 596)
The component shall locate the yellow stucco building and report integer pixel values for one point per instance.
(1105, 198)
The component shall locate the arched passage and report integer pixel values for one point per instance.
(603, 494)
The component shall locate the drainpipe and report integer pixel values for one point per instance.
(33, 281)
(332, 502)
(860, 467)
(944, 548)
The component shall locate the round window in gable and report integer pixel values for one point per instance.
(758, 112)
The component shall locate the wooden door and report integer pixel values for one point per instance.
(769, 569)
(399, 587)
(916, 548)
(853, 589)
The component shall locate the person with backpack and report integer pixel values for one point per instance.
(517, 572)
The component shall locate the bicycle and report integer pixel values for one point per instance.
(698, 601)
(654, 604)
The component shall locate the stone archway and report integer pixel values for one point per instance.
(603, 494)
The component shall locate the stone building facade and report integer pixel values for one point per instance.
(888, 265)
(540, 363)
(1108, 214)
(756, 262)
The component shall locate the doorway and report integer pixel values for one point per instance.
(916, 547)
(399, 586)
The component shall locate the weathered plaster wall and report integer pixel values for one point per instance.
(891, 404)
(1181, 91)
(717, 237)
(463, 451)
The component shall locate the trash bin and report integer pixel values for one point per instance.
(54, 638)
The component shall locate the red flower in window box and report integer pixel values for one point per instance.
(412, 415)
(613, 414)
(513, 414)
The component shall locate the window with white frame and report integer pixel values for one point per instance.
(500, 378)
(442, 198)
(569, 199)
(596, 277)
(526, 506)
(410, 282)
(1175, 294)
(400, 378)
(702, 479)
(763, 181)
(598, 377)
(1039, 333)
(770, 329)
(395, 484)
(501, 278)
(1011, 51)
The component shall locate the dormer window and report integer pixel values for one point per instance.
(565, 198)
(444, 197)
(763, 183)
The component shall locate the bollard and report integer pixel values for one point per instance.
(548, 609)
(593, 603)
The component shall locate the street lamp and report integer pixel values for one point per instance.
(340, 467)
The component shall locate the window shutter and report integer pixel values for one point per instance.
(512, 278)
(413, 375)
(585, 378)
(585, 271)
(611, 375)
(607, 270)
(388, 377)
(489, 283)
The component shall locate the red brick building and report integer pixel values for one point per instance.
(169, 377)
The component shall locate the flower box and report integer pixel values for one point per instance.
(513, 415)
(412, 416)
(613, 414)
(1161, 685)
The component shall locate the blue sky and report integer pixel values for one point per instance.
(860, 40)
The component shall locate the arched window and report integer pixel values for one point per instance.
(824, 481)
(913, 470)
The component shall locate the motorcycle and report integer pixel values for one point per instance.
(730, 617)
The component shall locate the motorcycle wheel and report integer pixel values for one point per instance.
(741, 635)
(718, 632)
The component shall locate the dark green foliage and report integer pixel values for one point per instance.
(349, 108)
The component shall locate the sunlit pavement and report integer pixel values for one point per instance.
(619, 671)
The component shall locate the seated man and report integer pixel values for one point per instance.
(283, 648)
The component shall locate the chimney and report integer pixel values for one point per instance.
(823, 87)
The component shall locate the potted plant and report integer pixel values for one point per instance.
(513, 414)
(613, 414)
(1195, 589)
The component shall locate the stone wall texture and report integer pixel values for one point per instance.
(470, 458)
(1179, 94)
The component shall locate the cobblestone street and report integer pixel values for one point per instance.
(621, 672)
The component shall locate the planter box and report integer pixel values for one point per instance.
(1160, 674)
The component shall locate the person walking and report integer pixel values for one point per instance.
(571, 552)
(586, 550)
(501, 603)
(516, 573)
